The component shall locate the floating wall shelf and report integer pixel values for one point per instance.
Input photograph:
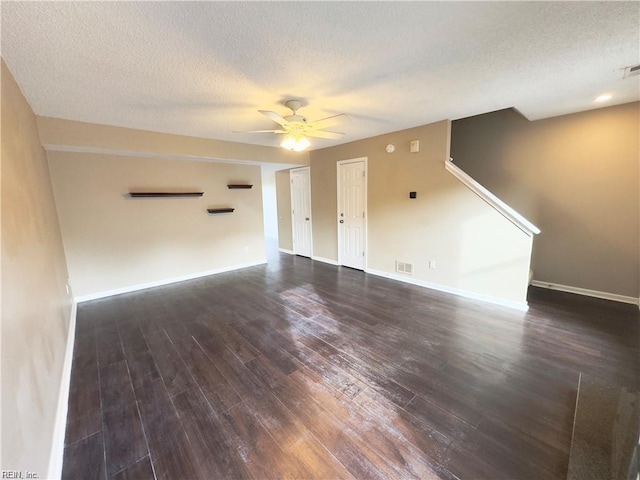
(239, 186)
(164, 194)
(214, 211)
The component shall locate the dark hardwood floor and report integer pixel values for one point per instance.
(304, 370)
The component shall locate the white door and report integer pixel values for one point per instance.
(352, 205)
(301, 211)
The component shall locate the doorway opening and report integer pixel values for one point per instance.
(270, 213)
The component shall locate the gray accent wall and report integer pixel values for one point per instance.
(577, 178)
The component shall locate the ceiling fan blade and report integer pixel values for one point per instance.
(261, 131)
(323, 134)
(275, 117)
(330, 121)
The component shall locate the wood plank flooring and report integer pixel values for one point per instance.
(303, 370)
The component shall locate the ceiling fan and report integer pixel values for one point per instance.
(297, 128)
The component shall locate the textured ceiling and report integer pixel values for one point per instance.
(205, 68)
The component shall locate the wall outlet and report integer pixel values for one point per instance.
(432, 264)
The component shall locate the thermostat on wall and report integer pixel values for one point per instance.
(390, 148)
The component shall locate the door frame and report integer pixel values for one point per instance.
(366, 206)
(293, 230)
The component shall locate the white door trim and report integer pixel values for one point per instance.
(293, 230)
(366, 202)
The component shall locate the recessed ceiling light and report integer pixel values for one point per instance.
(604, 97)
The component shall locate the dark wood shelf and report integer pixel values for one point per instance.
(214, 211)
(232, 186)
(164, 194)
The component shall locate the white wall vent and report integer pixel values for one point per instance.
(632, 71)
(403, 267)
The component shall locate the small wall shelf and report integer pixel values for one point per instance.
(164, 194)
(232, 186)
(214, 211)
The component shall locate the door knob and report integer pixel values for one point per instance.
(341, 221)
(306, 218)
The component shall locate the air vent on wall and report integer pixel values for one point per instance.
(403, 267)
(632, 71)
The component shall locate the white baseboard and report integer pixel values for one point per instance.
(284, 250)
(586, 292)
(167, 281)
(60, 426)
(325, 260)
(522, 306)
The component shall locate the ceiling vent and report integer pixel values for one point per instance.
(632, 71)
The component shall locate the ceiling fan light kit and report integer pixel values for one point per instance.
(297, 128)
(295, 142)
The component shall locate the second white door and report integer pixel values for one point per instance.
(301, 211)
(352, 191)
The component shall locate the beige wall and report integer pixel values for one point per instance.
(324, 197)
(113, 241)
(283, 194)
(576, 178)
(35, 306)
(475, 248)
